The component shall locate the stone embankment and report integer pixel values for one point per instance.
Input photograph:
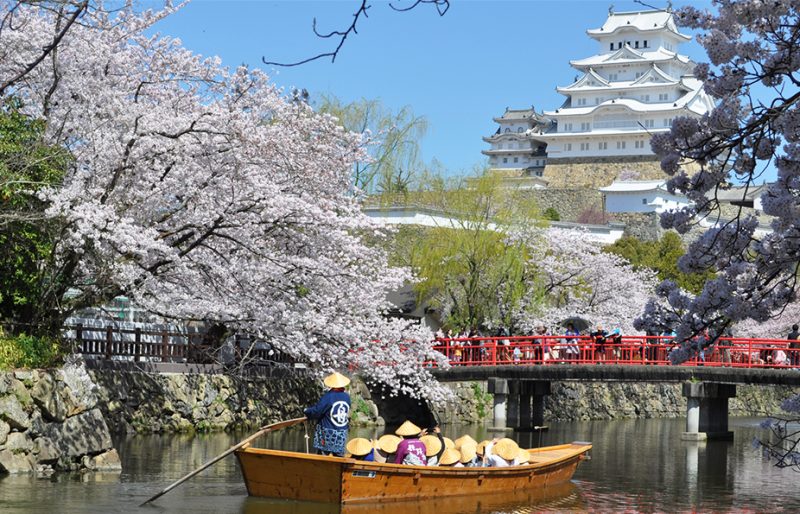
(51, 420)
(136, 402)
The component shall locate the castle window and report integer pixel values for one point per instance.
(568, 147)
(519, 129)
(602, 146)
(620, 145)
(505, 160)
(663, 97)
(585, 126)
(507, 130)
(644, 43)
(644, 201)
(637, 44)
(612, 46)
(649, 123)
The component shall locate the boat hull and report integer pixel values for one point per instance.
(298, 476)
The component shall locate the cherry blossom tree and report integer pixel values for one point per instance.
(574, 277)
(753, 48)
(203, 194)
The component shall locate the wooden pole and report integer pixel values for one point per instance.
(263, 430)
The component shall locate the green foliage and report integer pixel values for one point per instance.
(27, 351)
(483, 399)
(28, 289)
(661, 256)
(395, 157)
(551, 214)
(471, 271)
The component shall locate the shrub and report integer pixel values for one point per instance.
(26, 351)
(551, 214)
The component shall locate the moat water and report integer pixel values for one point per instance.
(636, 466)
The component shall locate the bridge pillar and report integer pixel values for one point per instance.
(499, 388)
(532, 402)
(513, 408)
(707, 410)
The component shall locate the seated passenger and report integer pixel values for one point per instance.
(410, 450)
(501, 454)
(464, 439)
(386, 448)
(523, 457)
(450, 458)
(469, 456)
(434, 447)
(361, 449)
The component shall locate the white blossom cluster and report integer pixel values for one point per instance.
(203, 194)
(574, 277)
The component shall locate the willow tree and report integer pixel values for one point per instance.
(391, 140)
(467, 267)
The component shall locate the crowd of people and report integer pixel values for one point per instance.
(409, 445)
(569, 345)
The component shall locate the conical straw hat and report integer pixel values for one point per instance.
(468, 452)
(481, 447)
(448, 443)
(359, 446)
(388, 443)
(506, 448)
(523, 457)
(450, 457)
(336, 380)
(408, 428)
(464, 439)
(432, 445)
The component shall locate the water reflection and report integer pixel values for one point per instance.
(637, 465)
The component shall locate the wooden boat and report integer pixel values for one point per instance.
(300, 476)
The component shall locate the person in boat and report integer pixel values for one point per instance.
(523, 457)
(434, 447)
(410, 450)
(332, 413)
(451, 458)
(469, 457)
(386, 448)
(501, 453)
(361, 449)
(464, 439)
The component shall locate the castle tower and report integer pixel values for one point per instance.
(632, 88)
(513, 151)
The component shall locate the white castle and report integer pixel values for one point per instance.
(633, 87)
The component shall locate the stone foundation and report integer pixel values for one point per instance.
(51, 420)
(599, 171)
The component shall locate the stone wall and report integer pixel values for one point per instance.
(51, 420)
(573, 401)
(472, 404)
(598, 171)
(184, 402)
(641, 225)
(568, 202)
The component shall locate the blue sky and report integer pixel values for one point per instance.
(458, 70)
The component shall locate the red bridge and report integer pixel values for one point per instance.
(630, 350)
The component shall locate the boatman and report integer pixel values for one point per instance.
(332, 413)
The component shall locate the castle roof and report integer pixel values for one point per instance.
(516, 115)
(635, 186)
(641, 21)
(626, 55)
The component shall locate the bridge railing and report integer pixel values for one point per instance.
(631, 350)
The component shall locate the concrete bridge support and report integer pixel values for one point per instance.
(518, 404)
(707, 410)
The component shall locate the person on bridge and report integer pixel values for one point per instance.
(599, 341)
(332, 413)
(571, 344)
(794, 346)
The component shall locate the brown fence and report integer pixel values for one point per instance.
(143, 345)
